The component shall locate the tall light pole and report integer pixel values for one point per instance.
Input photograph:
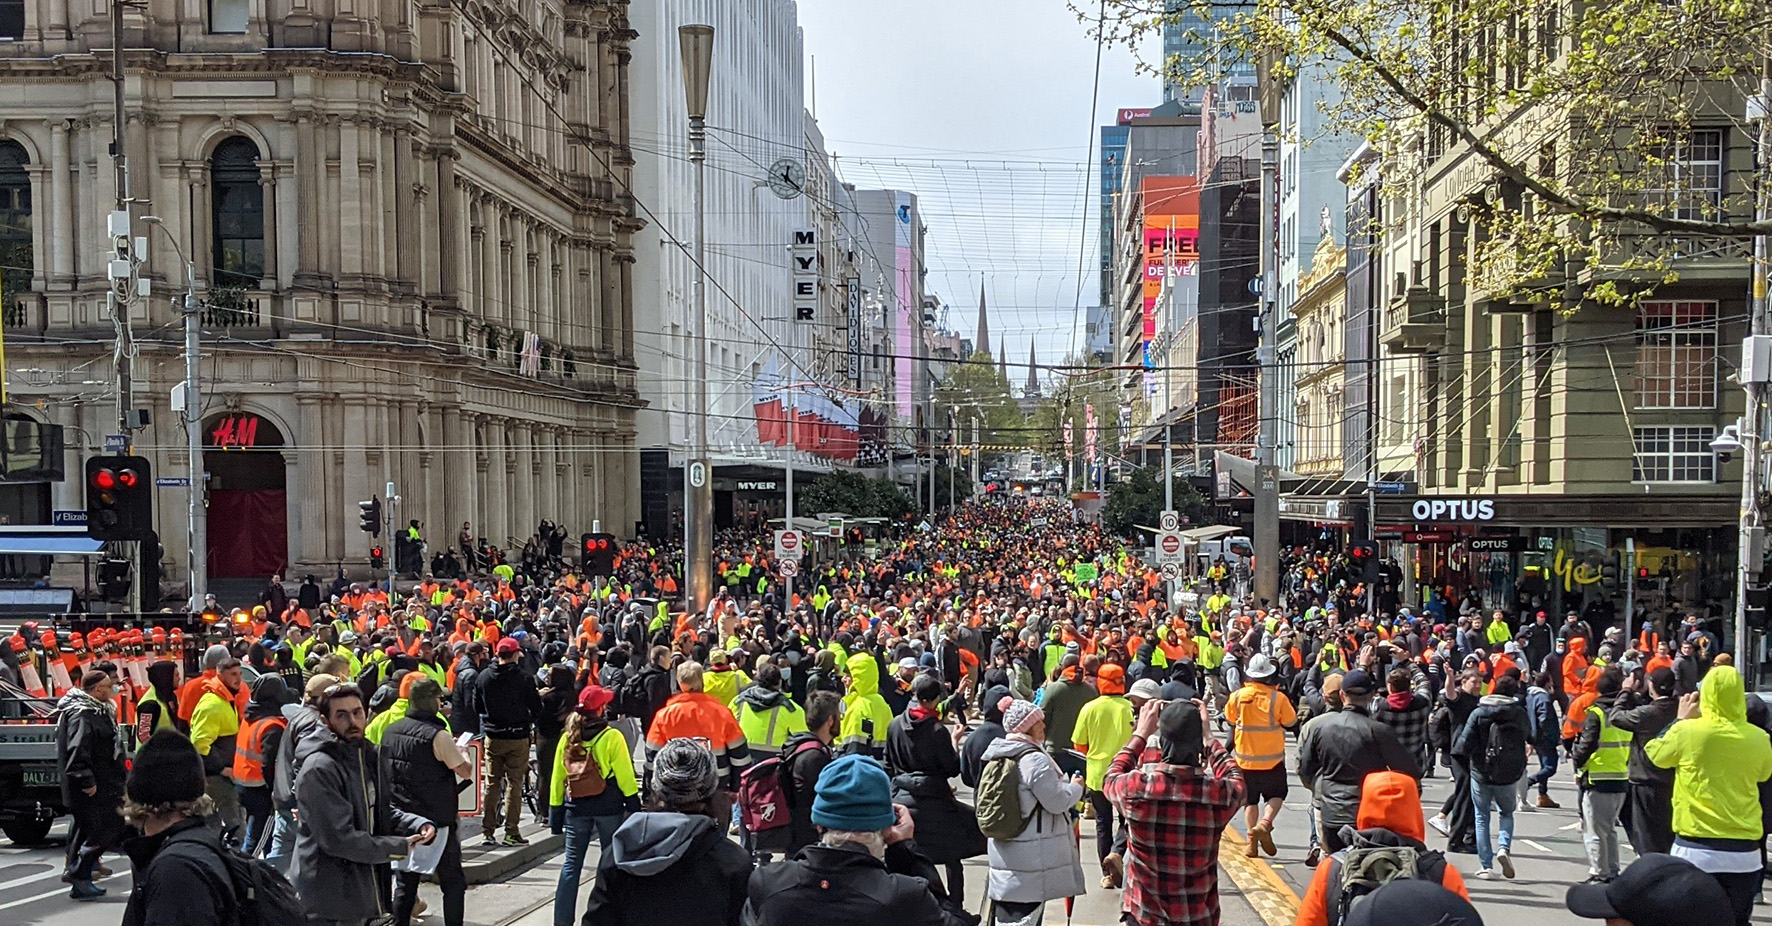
(696, 43)
(196, 526)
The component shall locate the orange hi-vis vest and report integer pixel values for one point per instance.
(249, 749)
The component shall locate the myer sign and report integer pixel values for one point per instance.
(765, 486)
(1453, 509)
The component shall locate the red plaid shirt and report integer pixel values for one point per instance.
(1174, 817)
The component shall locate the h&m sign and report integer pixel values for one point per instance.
(806, 284)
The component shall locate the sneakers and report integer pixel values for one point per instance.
(1438, 822)
(419, 907)
(1112, 869)
(86, 890)
(1314, 856)
(1525, 807)
(1544, 800)
(1597, 879)
(1506, 860)
(1486, 874)
(489, 841)
(1262, 834)
(513, 839)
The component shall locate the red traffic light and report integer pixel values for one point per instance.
(127, 478)
(104, 479)
(375, 551)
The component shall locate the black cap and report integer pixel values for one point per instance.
(1413, 902)
(1656, 890)
(166, 770)
(1358, 682)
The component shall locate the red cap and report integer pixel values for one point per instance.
(508, 645)
(594, 698)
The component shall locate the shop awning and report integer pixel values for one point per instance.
(49, 544)
(1212, 532)
(1242, 470)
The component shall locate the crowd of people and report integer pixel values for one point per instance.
(979, 688)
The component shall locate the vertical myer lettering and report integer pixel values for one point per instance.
(804, 313)
(806, 270)
(807, 238)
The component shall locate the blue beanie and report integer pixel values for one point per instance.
(853, 793)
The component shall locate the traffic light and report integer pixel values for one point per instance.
(599, 554)
(113, 579)
(1611, 568)
(1363, 557)
(119, 498)
(377, 557)
(369, 516)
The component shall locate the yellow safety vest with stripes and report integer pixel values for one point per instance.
(1610, 762)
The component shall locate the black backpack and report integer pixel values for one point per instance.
(633, 699)
(1503, 759)
(262, 896)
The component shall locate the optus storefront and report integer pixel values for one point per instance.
(1561, 553)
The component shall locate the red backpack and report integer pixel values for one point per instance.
(762, 791)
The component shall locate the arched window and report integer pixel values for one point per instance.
(16, 254)
(237, 214)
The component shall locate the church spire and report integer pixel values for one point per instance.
(1032, 389)
(984, 323)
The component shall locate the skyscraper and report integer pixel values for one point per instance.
(1188, 38)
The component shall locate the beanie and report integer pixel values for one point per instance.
(683, 773)
(853, 793)
(318, 684)
(166, 770)
(1020, 716)
(214, 656)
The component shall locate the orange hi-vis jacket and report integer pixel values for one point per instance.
(249, 749)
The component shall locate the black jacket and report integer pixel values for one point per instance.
(972, 750)
(1645, 720)
(308, 596)
(422, 784)
(1537, 640)
(509, 701)
(655, 681)
(464, 701)
(180, 878)
(845, 885)
(669, 868)
(921, 745)
(1508, 718)
(86, 744)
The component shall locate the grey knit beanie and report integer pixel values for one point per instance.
(683, 773)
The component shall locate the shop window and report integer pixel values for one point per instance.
(1677, 355)
(1674, 454)
(238, 215)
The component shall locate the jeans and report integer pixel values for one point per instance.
(256, 802)
(579, 827)
(1108, 837)
(1652, 818)
(1599, 831)
(450, 879)
(282, 849)
(507, 766)
(1484, 794)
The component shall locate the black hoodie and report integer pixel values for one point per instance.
(509, 702)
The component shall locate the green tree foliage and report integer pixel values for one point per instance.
(1139, 502)
(1565, 129)
(975, 389)
(1068, 406)
(852, 494)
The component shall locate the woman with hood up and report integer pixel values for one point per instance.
(865, 714)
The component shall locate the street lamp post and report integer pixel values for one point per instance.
(696, 43)
(196, 528)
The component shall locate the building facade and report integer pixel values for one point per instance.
(1320, 318)
(411, 235)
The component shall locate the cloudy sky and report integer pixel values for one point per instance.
(982, 108)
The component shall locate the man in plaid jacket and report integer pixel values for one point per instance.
(1176, 801)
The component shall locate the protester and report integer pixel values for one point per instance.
(805, 755)
(692, 713)
(425, 768)
(864, 871)
(920, 754)
(1601, 754)
(215, 723)
(1103, 727)
(1718, 760)
(1062, 700)
(509, 703)
(672, 862)
(1176, 807)
(1646, 715)
(255, 751)
(1656, 890)
(1041, 862)
(181, 875)
(90, 754)
(1336, 754)
(766, 715)
(986, 731)
(1259, 715)
(1493, 746)
(1388, 829)
(349, 826)
(593, 790)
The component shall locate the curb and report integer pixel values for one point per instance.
(484, 866)
(1273, 899)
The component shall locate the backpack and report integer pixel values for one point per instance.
(763, 803)
(1365, 869)
(997, 799)
(584, 778)
(1503, 759)
(632, 698)
(262, 896)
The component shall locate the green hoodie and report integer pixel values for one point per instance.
(864, 703)
(1719, 759)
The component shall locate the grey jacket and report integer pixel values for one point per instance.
(304, 721)
(1335, 754)
(1042, 863)
(346, 827)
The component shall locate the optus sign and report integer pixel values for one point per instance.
(1466, 510)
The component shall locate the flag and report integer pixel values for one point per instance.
(529, 359)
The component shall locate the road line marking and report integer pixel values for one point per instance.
(1573, 826)
(1535, 845)
(1273, 899)
(47, 872)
